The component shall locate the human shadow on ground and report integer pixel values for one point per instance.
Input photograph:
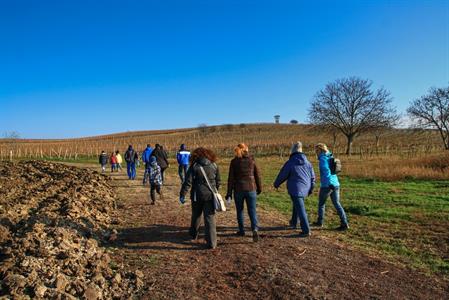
(157, 237)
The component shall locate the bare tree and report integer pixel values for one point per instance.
(12, 135)
(353, 107)
(432, 111)
(203, 128)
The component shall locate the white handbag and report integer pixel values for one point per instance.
(219, 203)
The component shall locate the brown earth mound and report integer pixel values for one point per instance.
(53, 220)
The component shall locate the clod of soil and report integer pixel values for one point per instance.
(53, 221)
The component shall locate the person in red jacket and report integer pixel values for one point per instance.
(113, 162)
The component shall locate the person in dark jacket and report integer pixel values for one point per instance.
(244, 180)
(300, 177)
(161, 158)
(131, 157)
(201, 195)
(103, 160)
(146, 154)
(329, 187)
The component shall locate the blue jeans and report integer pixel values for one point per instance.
(299, 212)
(250, 198)
(182, 171)
(335, 197)
(131, 168)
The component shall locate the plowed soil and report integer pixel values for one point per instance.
(154, 239)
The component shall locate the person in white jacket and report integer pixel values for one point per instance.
(119, 160)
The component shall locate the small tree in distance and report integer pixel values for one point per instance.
(432, 111)
(13, 135)
(353, 107)
(294, 122)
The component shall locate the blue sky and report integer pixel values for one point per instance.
(81, 68)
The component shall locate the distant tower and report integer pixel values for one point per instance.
(277, 118)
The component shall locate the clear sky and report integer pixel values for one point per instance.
(81, 68)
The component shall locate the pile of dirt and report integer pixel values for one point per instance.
(53, 222)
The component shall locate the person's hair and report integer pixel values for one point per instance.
(148, 145)
(157, 146)
(296, 147)
(241, 150)
(322, 147)
(202, 152)
(117, 152)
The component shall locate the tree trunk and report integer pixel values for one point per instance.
(444, 137)
(350, 138)
(334, 143)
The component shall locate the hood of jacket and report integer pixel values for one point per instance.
(298, 158)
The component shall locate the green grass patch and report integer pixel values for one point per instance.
(405, 221)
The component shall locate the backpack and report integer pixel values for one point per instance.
(130, 156)
(334, 165)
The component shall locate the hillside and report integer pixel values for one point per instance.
(262, 138)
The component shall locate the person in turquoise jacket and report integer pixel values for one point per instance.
(329, 186)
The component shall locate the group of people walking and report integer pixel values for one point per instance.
(200, 179)
(115, 160)
(155, 161)
(244, 184)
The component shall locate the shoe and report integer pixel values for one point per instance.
(240, 233)
(255, 236)
(152, 203)
(317, 224)
(304, 235)
(343, 227)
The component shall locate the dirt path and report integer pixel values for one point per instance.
(154, 239)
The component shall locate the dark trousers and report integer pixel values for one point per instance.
(182, 171)
(146, 173)
(162, 173)
(155, 188)
(206, 208)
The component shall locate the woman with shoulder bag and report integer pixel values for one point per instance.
(202, 162)
(244, 180)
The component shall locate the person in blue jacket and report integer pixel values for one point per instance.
(300, 177)
(146, 154)
(183, 157)
(330, 186)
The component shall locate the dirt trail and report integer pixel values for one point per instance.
(154, 239)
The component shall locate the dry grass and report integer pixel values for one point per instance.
(397, 167)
